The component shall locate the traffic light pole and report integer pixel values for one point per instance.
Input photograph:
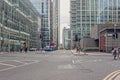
(115, 35)
(115, 28)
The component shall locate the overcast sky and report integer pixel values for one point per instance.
(64, 15)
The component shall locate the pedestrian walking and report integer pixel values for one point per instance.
(119, 52)
(21, 48)
(26, 48)
(115, 53)
(41, 49)
(78, 49)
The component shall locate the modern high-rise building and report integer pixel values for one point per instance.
(45, 9)
(56, 22)
(82, 17)
(65, 39)
(18, 25)
(108, 11)
(84, 14)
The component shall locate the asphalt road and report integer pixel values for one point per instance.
(56, 65)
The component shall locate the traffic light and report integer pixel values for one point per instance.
(115, 36)
(76, 37)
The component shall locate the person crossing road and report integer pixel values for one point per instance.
(115, 53)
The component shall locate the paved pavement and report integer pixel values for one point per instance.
(89, 53)
(112, 76)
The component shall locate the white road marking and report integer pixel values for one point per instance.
(35, 61)
(88, 61)
(20, 62)
(67, 66)
(7, 64)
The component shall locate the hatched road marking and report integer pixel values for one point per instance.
(7, 64)
(11, 66)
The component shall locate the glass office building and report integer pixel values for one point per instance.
(18, 25)
(65, 38)
(108, 11)
(84, 14)
(82, 17)
(56, 22)
(44, 7)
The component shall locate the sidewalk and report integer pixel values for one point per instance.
(89, 53)
(13, 52)
(18, 52)
(78, 53)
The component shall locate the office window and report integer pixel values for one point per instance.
(42, 7)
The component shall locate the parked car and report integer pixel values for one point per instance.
(48, 48)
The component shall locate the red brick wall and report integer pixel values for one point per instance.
(102, 43)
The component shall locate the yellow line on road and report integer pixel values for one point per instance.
(112, 75)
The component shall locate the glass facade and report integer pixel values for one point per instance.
(56, 22)
(108, 11)
(84, 14)
(82, 17)
(65, 38)
(44, 7)
(18, 25)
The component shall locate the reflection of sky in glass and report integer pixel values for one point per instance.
(38, 6)
(106, 10)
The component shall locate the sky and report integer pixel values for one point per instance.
(64, 15)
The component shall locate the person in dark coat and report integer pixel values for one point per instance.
(115, 53)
